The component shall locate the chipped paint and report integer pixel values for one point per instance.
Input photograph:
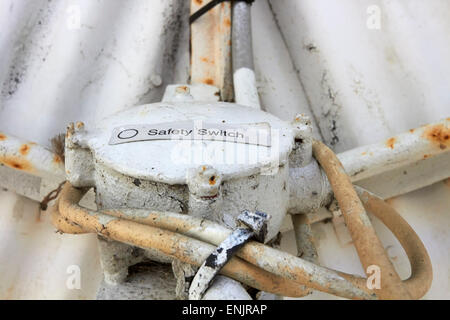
(212, 180)
(30, 158)
(210, 54)
(216, 261)
(400, 151)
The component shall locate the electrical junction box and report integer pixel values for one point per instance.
(188, 154)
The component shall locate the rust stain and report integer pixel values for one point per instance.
(206, 60)
(17, 163)
(57, 159)
(364, 153)
(2, 137)
(24, 149)
(80, 125)
(227, 22)
(411, 130)
(447, 182)
(182, 89)
(199, 2)
(439, 135)
(390, 143)
(212, 180)
(425, 156)
(209, 81)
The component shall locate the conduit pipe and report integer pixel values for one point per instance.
(370, 249)
(68, 217)
(421, 268)
(245, 90)
(289, 272)
(407, 151)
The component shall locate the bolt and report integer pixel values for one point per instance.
(204, 181)
(156, 80)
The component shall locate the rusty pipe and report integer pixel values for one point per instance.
(370, 249)
(418, 283)
(269, 259)
(421, 269)
(139, 233)
(68, 217)
(211, 48)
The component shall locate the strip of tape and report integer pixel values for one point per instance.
(247, 133)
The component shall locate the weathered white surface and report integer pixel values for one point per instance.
(81, 60)
(175, 157)
(362, 86)
(246, 92)
(365, 78)
(37, 262)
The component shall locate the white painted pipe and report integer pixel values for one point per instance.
(245, 90)
(416, 144)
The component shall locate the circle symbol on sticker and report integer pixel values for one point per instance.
(127, 134)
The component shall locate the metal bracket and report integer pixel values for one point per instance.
(252, 225)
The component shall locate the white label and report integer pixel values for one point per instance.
(251, 133)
